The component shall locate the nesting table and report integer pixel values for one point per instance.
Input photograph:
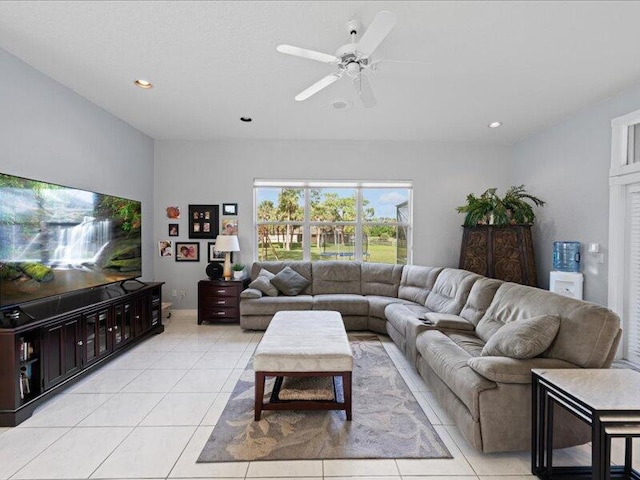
(303, 343)
(606, 399)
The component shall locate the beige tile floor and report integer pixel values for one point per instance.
(149, 413)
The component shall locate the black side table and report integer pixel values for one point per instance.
(606, 399)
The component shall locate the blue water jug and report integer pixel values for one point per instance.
(566, 256)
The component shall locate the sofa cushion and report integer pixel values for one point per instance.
(303, 268)
(444, 321)
(271, 305)
(289, 282)
(377, 305)
(345, 303)
(513, 370)
(417, 282)
(480, 297)
(380, 279)
(449, 362)
(336, 277)
(398, 314)
(467, 341)
(266, 273)
(588, 332)
(264, 285)
(451, 290)
(251, 293)
(526, 338)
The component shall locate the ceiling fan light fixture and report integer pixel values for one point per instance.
(142, 83)
(494, 124)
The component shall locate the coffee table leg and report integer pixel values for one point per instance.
(259, 393)
(346, 385)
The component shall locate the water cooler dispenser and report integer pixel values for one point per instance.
(566, 278)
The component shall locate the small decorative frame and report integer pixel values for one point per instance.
(229, 226)
(165, 248)
(229, 209)
(173, 212)
(174, 229)
(187, 252)
(214, 256)
(204, 221)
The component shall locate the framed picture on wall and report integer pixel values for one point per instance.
(229, 209)
(214, 256)
(204, 221)
(174, 229)
(187, 252)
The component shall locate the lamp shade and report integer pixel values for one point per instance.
(227, 243)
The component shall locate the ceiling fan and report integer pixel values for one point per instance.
(352, 59)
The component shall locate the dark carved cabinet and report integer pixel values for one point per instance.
(505, 253)
(54, 342)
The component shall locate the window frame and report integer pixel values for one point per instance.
(359, 186)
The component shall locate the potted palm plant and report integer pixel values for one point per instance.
(489, 209)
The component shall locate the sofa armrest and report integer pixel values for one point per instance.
(447, 321)
(513, 370)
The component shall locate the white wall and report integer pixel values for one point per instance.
(49, 133)
(567, 165)
(223, 172)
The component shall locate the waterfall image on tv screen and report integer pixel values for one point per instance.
(56, 239)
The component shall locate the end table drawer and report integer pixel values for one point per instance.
(230, 291)
(212, 313)
(219, 302)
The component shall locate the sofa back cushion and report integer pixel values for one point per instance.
(303, 268)
(416, 282)
(380, 279)
(588, 332)
(480, 297)
(336, 277)
(451, 290)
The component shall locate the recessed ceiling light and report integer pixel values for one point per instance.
(246, 119)
(146, 84)
(495, 124)
(340, 104)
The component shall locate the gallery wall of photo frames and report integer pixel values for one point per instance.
(203, 222)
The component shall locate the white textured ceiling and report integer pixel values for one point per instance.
(527, 64)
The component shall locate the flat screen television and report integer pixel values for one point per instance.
(56, 239)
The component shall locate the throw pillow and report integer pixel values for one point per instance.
(251, 293)
(263, 284)
(525, 338)
(266, 273)
(290, 282)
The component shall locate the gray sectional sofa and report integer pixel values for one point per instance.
(449, 323)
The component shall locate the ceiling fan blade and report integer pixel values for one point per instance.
(310, 54)
(363, 88)
(382, 24)
(411, 62)
(316, 87)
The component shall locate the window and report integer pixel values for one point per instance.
(368, 221)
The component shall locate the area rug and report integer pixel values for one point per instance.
(387, 420)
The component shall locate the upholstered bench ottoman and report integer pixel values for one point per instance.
(303, 343)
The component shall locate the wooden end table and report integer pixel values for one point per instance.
(606, 399)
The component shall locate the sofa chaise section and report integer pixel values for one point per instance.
(489, 397)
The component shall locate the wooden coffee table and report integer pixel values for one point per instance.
(606, 399)
(303, 343)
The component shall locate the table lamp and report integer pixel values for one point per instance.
(227, 244)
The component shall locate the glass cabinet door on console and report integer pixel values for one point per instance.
(97, 331)
(123, 315)
(62, 351)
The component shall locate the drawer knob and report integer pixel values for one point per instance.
(220, 313)
(221, 291)
(221, 302)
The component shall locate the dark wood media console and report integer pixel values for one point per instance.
(47, 345)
